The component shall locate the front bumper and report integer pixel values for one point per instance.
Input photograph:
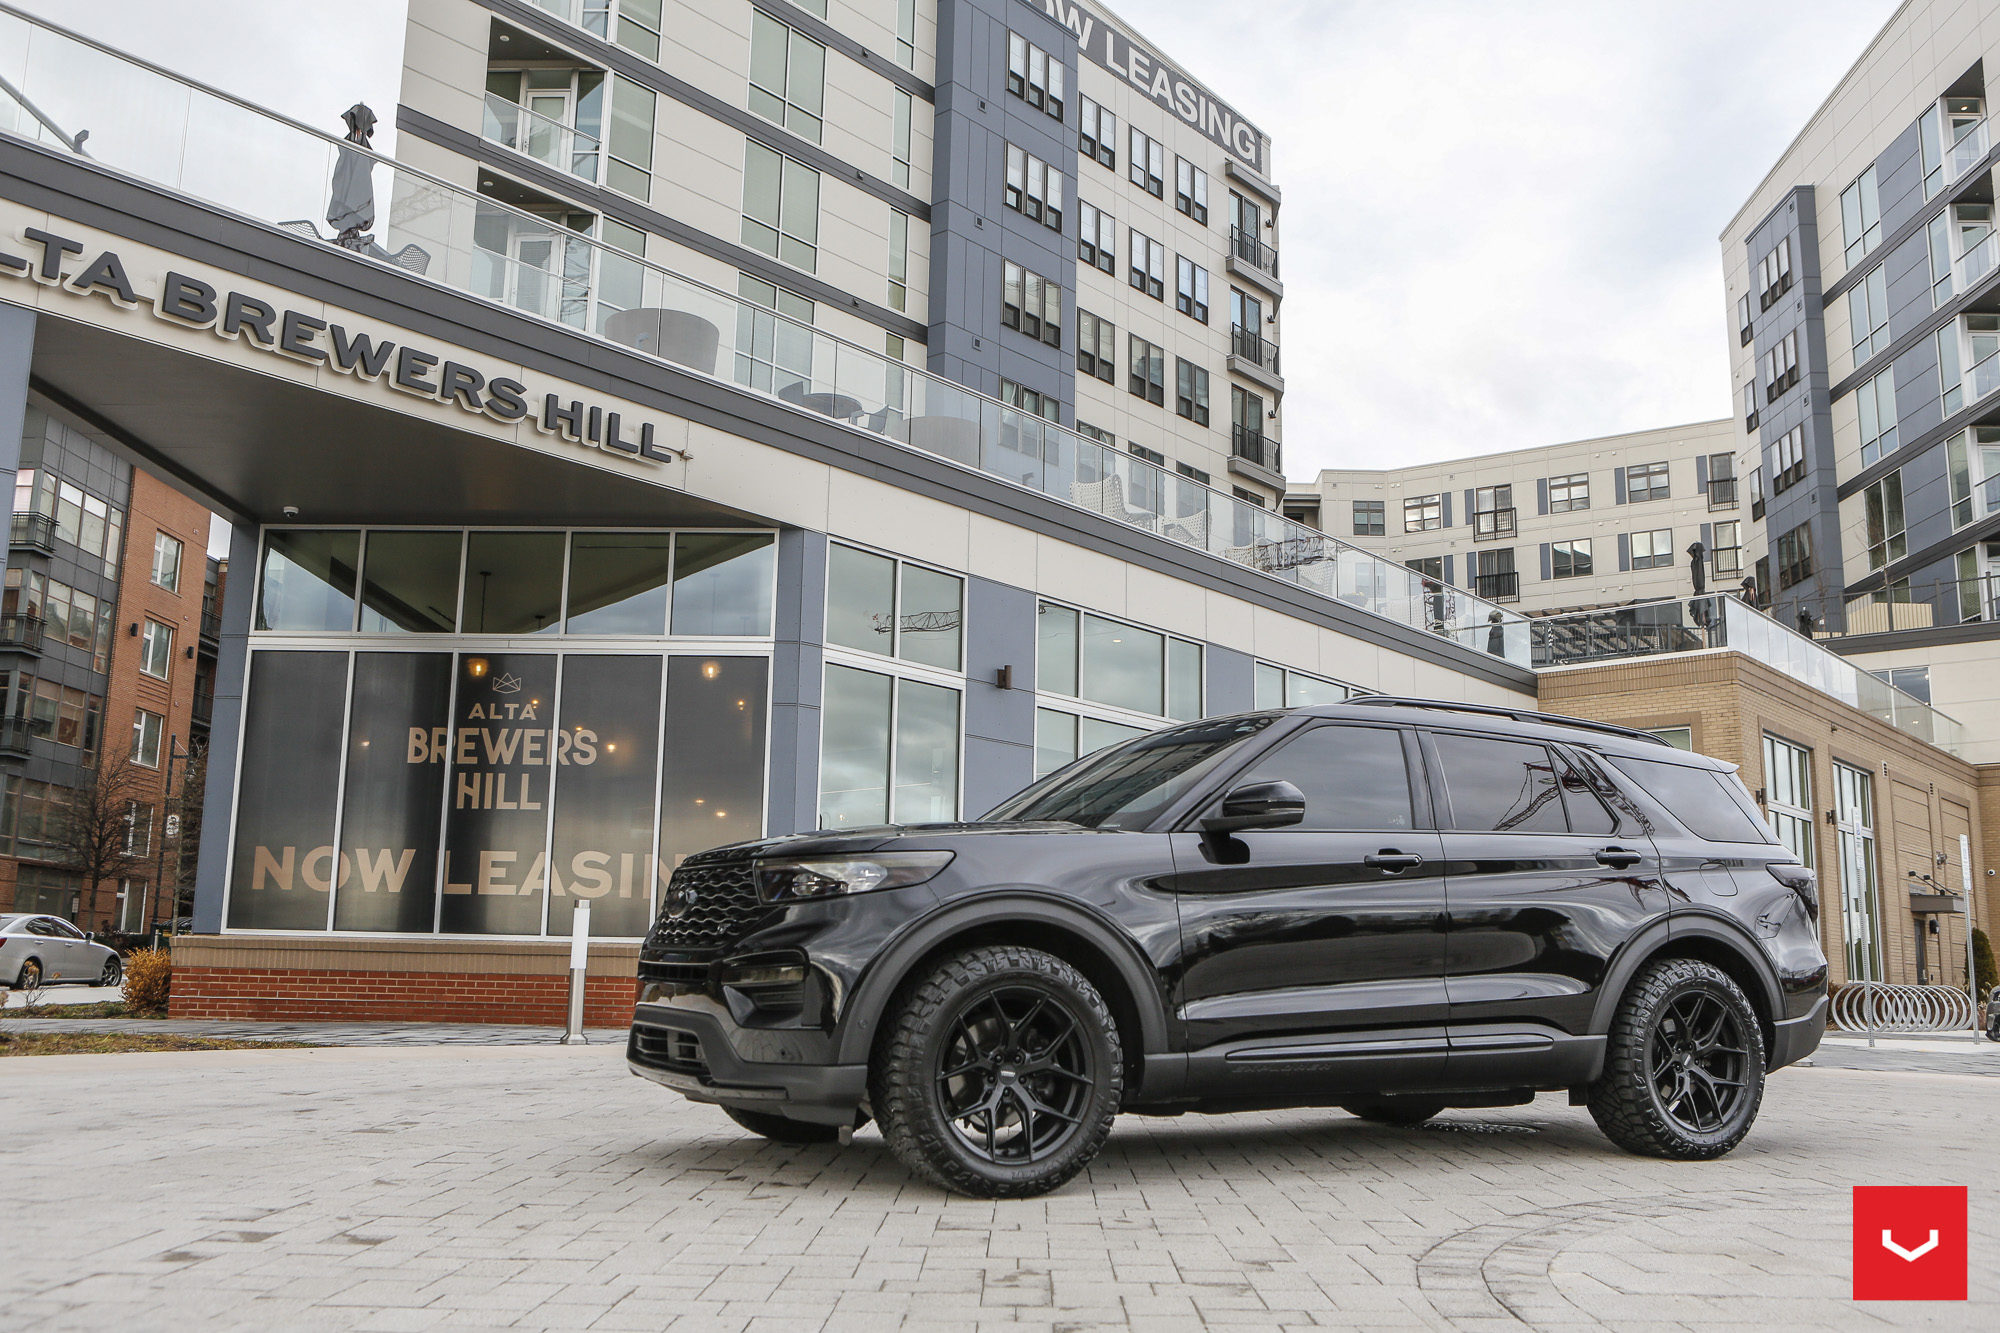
(691, 1051)
(1793, 1039)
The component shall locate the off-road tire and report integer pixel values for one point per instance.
(904, 1074)
(1403, 1111)
(1625, 1101)
(783, 1129)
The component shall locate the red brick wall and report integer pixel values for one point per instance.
(406, 997)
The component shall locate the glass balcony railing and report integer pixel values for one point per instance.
(1976, 264)
(548, 141)
(1983, 378)
(1967, 152)
(147, 123)
(1720, 621)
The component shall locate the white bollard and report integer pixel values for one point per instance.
(579, 957)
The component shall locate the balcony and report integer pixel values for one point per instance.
(1965, 154)
(550, 142)
(1975, 265)
(432, 232)
(1504, 586)
(21, 634)
(34, 532)
(1253, 261)
(1492, 524)
(16, 736)
(1721, 493)
(211, 628)
(1254, 356)
(203, 709)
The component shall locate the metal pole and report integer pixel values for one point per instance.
(579, 949)
(149, 909)
(1965, 881)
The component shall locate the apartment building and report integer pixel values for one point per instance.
(1029, 200)
(1569, 526)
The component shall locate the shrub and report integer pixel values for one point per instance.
(148, 974)
(1983, 970)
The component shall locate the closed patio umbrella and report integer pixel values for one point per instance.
(350, 208)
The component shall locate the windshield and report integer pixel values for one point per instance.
(1128, 785)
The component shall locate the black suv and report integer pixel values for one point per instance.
(1393, 906)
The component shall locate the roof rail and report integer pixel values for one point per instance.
(1494, 710)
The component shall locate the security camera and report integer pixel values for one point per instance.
(291, 511)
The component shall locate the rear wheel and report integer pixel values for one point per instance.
(1684, 1069)
(783, 1129)
(999, 1073)
(1394, 1110)
(30, 977)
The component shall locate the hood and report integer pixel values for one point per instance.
(875, 837)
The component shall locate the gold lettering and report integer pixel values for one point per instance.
(322, 882)
(468, 746)
(266, 866)
(420, 746)
(468, 792)
(500, 801)
(531, 747)
(449, 886)
(527, 790)
(490, 866)
(586, 746)
(380, 872)
(588, 876)
(501, 746)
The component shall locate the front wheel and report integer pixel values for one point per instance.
(1684, 1068)
(114, 972)
(783, 1129)
(999, 1073)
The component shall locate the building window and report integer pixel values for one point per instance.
(1096, 238)
(1774, 273)
(1150, 676)
(147, 728)
(166, 562)
(1727, 554)
(1369, 519)
(1192, 473)
(1980, 336)
(1938, 241)
(81, 520)
(1191, 190)
(1034, 76)
(1860, 217)
(787, 76)
(1913, 681)
(1149, 265)
(1248, 496)
(1103, 437)
(1569, 493)
(1750, 404)
(1190, 391)
(1722, 481)
(628, 166)
(69, 615)
(906, 32)
(1031, 304)
(1570, 559)
(774, 352)
(899, 152)
(1868, 314)
(1647, 481)
(899, 260)
(1795, 556)
(780, 206)
(1246, 429)
(889, 749)
(1972, 464)
(1149, 164)
(1494, 576)
(1756, 492)
(1654, 549)
(1149, 371)
(1428, 566)
(893, 608)
(1875, 410)
(1190, 288)
(1788, 795)
(1493, 512)
(1097, 133)
(1882, 508)
(1423, 513)
(1273, 686)
(1034, 189)
(1781, 367)
(1030, 401)
(1743, 330)
(1145, 455)
(156, 649)
(138, 828)
(1788, 460)
(1096, 347)
(1860, 902)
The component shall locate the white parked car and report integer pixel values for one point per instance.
(41, 950)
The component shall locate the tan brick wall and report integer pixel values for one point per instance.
(1924, 797)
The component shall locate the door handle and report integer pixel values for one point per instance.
(1392, 862)
(1619, 857)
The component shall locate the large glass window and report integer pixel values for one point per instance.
(712, 784)
(513, 583)
(1273, 686)
(878, 604)
(396, 756)
(1111, 662)
(148, 729)
(156, 649)
(410, 582)
(285, 859)
(1868, 314)
(1788, 799)
(1860, 216)
(780, 206)
(889, 752)
(1875, 412)
(1883, 513)
(601, 837)
(787, 76)
(724, 583)
(496, 821)
(308, 580)
(618, 582)
(167, 562)
(1860, 890)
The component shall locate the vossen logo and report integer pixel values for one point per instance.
(189, 302)
(1110, 49)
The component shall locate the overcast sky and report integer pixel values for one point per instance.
(1500, 216)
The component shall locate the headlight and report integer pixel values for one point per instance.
(827, 877)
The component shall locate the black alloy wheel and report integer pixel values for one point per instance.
(1684, 1065)
(114, 971)
(999, 1074)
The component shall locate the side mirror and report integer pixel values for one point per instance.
(1258, 805)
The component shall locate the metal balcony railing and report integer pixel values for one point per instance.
(34, 531)
(211, 626)
(17, 736)
(1254, 347)
(1722, 492)
(21, 632)
(191, 141)
(548, 141)
(1504, 586)
(1252, 445)
(1251, 250)
(204, 708)
(1492, 524)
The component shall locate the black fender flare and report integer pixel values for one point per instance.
(1678, 927)
(862, 1015)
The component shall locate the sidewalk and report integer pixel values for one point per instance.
(325, 1034)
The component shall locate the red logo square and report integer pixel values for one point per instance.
(1909, 1242)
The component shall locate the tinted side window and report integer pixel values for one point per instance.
(1504, 786)
(41, 926)
(1587, 813)
(1697, 797)
(1353, 778)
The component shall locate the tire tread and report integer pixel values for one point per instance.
(1621, 1100)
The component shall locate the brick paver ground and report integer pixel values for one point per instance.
(543, 1187)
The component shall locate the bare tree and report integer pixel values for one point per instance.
(96, 836)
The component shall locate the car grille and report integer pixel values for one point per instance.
(708, 904)
(670, 1049)
(689, 970)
